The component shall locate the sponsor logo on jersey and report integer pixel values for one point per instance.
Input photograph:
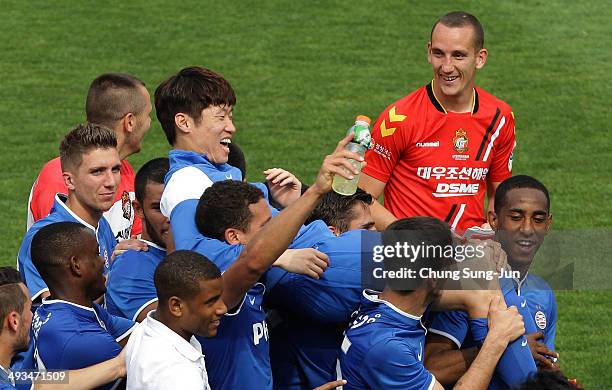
(540, 319)
(452, 173)
(126, 205)
(434, 144)
(446, 190)
(382, 151)
(460, 141)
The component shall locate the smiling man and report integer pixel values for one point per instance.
(441, 148)
(91, 170)
(195, 109)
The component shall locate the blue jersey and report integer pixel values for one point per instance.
(537, 306)
(384, 349)
(60, 213)
(129, 285)
(189, 176)
(5, 382)
(70, 336)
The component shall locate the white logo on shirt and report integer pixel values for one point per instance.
(420, 355)
(260, 330)
(434, 144)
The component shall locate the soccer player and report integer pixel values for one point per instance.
(195, 109)
(343, 213)
(130, 292)
(16, 319)
(122, 103)
(521, 220)
(230, 215)
(69, 331)
(91, 166)
(383, 348)
(441, 148)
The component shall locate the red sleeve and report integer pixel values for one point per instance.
(50, 181)
(503, 150)
(389, 137)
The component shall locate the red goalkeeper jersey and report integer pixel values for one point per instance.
(120, 216)
(437, 163)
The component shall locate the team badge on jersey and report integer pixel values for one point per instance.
(460, 141)
(126, 205)
(540, 319)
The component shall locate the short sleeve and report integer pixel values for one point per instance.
(117, 327)
(389, 143)
(32, 278)
(453, 325)
(88, 348)
(502, 144)
(130, 284)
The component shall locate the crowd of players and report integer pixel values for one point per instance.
(129, 279)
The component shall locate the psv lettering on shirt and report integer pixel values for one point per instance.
(129, 283)
(438, 163)
(70, 336)
(120, 216)
(384, 349)
(59, 213)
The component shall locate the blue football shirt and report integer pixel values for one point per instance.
(60, 213)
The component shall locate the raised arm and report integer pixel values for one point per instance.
(274, 238)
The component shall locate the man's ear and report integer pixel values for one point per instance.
(129, 122)
(429, 52)
(76, 266)
(138, 209)
(175, 306)
(232, 236)
(549, 223)
(13, 320)
(492, 219)
(68, 180)
(183, 122)
(334, 230)
(481, 58)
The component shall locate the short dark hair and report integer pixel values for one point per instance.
(180, 273)
(547, 380)
(236, 158)
(53, 246)
(225, 205)
(462, 19)
(152, 171)
(82, 139)
(12, 298)
(113, 95)
(337, 210)
(514, 182)
(417, 232)
(190, 91)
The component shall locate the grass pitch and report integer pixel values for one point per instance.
(302, 71)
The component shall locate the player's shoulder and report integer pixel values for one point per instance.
(406, 106)
(489, 102)
(132, 262)
(389, 348)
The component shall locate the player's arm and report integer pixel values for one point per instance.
(382, 216)
(274, 238)
(90, 377)
(505, 325)
(445, 361)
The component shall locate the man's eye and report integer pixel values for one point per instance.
(516, 217)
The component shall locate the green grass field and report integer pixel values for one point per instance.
(302, 71)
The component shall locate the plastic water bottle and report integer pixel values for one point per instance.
(362, 141)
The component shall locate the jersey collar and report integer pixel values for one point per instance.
(372, 296)
(438, 105)
(184, 347)
(154, 245)
(62, 205)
